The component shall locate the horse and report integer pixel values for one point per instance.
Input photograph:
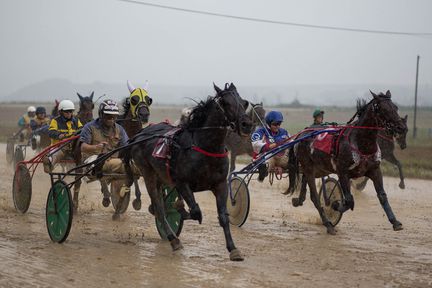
(242, 145)
(136, 113)
(356, 154)
(386, 141)
(197, 160)
(86, 106)
(55, 111)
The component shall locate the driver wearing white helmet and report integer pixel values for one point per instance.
(24, 123)
(61, 127)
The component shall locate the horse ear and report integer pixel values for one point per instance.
(91, 95)
(146, 85)
(80, 97)
(217, 89)
(232, 86)
(373, 94)
(226, 86)
(130, 86)
(405, 119)
(56, 102)
(388, 94)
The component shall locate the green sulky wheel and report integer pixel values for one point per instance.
(59, 211)
(174, 219)
(22, 188)
(238, 206)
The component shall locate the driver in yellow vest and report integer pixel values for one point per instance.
(24, 123)
(103, 135)
(61, 127)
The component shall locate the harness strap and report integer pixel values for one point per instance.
(210, 154)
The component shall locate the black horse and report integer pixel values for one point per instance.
(238, 145)
(198, 159)
(356, 154)
(386, 141)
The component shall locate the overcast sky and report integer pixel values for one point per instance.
(112, 41)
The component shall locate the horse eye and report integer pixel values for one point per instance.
(134, 100)
(148, 100)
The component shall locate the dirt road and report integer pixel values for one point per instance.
(283, 246)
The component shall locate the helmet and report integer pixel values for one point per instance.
(273, 116)
(40, 110)
(66, 105)
(317, 112)
(31, 109)
(108, 107)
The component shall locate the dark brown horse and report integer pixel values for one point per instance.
(85, 113)
(386, 141)
(238, 145)
(135, 116)
(357, 154)
(197, 161)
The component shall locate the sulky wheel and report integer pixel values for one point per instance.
(120, 204)
(10, 150)
(334, 197)
(18, 155)
(22, 188)
(238, 206)
(59, 211)
(174, 219)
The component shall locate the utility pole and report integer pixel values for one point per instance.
(415, 100)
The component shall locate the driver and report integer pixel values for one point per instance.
(104, 135)
(24, 123)
(269, 137)
(61, 127)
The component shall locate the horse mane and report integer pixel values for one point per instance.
(126, 107)
(361, 106)
(199, 113)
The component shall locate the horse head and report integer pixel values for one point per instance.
(233, 107)
(55, 111)
(401, 137)
(85, 113)
(139, 103)
(386, 113)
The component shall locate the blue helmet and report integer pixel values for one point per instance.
(273, 116)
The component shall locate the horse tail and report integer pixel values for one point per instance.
(293, 170)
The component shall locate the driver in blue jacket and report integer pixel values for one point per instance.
(269, 137)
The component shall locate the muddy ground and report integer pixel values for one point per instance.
(283, 246)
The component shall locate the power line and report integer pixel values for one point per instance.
(279, 22)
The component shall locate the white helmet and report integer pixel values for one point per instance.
(66, 105)
(31, 109)
(108, 107)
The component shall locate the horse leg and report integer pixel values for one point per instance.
(291, 172)
(348, 202)
(299, 201)
(131, 178)
(316, 201)
(233, 157)
(105, 192)
(376, 176)
(221, 194)
(392, 159)
(136, 203)
(188, 196)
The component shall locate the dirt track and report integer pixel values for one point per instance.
(283, 246)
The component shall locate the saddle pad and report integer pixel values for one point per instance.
(324, 142)
(162, 148)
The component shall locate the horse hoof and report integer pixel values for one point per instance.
(402, 185)
(106, 202)
(397, 226)
(296, 202)
(176, 244)
(136, 204)
(196, 214)
(331, 230)
(235, 255)
(115, 217)
(151, 209)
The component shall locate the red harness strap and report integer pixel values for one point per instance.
(209, 154)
